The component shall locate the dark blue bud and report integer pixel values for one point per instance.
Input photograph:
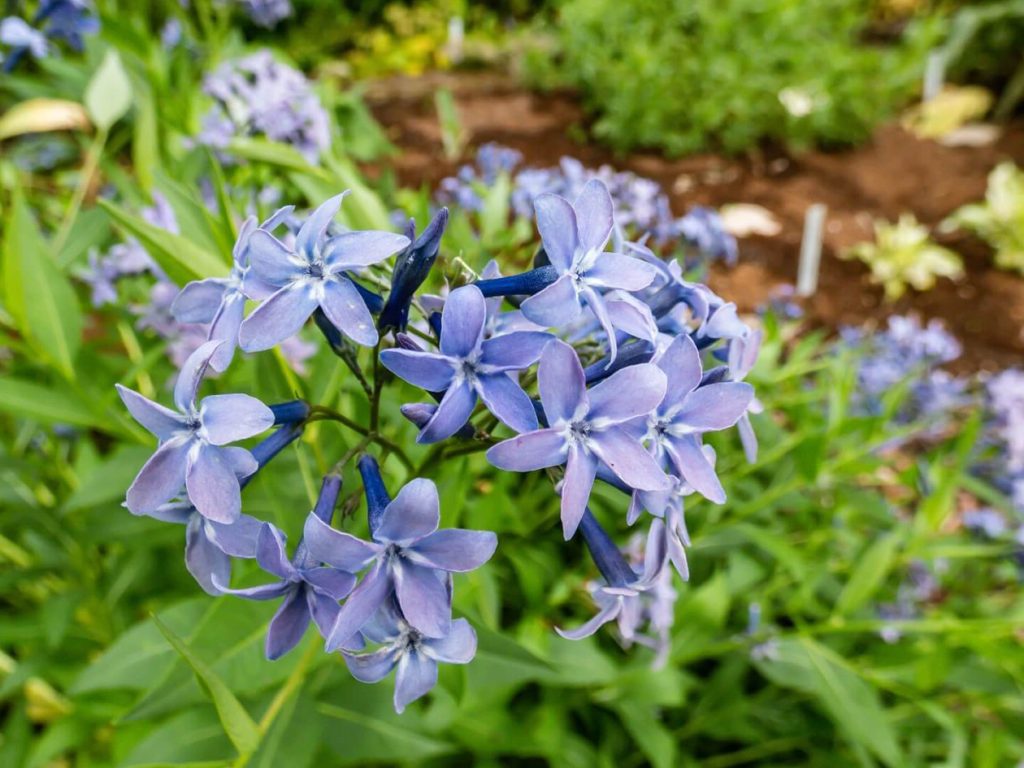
(411, 268)
(374, 301)
(665, 299)
(332, 334)
(290, 412)
(540, 258)
(525, 284)
(407, 342)
(330, 489)
(377, 497)
(435, 323)
(269, 447)
(605, 553)
(629, 354)
(716, 375)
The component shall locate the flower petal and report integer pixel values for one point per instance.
(562, 384)
(594, 216)
(556, 222)
(626, 394)
(355, 250)
(451, 415)
(457, 647)
(229, 418)
(360, 606)
(693, 466)
(615, 270)
(424, 600)
(414, 513)
(681, 363)
(462, 322)
(212, 485)
(324, 610)
(314, 227)
(225, 327)
(278, 318)
(513, 351)
(204, 560)
(329, 581)
(272, 261)
(371, 667)
(191, 375)
(427, 370)
(272, 553)
(715, 406)
(416, 676)
(160, 479)
(237, 539)
(288, 625)
(345, 308)
(580, 471)
(630, 462)
(506, 399)
(631, 316)
(336, 548)
(199, 301)
(530, 451)
(555, 306)
(454, 549)
(161, 421)
(606, 614)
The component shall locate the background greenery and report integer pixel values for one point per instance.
(112, 656)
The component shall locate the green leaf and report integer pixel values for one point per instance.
(871, 570)
(237, 723)
(358, 738)
(272, 153)
(494, 217)
(146, 141)
(653, 738)
(805, 665)
(108, 96)
(38, 294)
(181, 259)
(47, 404)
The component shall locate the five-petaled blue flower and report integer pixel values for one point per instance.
(574, 237)
(468, 365)
(413, 653)
(192, 452)
(312, 276)
(587, 427)
(409, 558)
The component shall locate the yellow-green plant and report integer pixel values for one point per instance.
(903, 255)
(999, 220)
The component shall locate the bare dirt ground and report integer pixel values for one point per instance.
(894, 173)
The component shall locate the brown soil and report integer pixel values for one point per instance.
(894, 173)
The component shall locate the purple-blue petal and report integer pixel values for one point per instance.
(427, 370)
(230, 418)
(278, 318)
(454, 549)
(161, 477)
(161, 421)
(462, 322)
(561, 382)
(345, 308)
(451, 415)
(506, 399)
(533, 450)
(414, 513)
(424, 600)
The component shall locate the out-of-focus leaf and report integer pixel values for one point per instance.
(38, 295)
(108, 96)
(871, 570)
(47, 404)
(40, 115)
(803, 664)
(179, 257)
(237, 723)
(650, 735)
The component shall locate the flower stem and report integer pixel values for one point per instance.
(92, 161)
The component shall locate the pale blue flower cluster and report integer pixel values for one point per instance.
(632, 366)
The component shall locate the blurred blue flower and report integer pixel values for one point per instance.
(468, 366)
(587, 427)
(267, 13)
(258, 96)
(192, 439)
(703, 228)
(314, 274)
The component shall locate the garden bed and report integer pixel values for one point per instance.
(893, 174)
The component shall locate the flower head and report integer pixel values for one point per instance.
(414, 654)
(314, 274)
(587, 428)
(468, 366)
(193, 450)
(408, 557)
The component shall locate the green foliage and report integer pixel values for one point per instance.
(904, 256)
(729, 74)
(999, 220)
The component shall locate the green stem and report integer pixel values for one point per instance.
(92, 161)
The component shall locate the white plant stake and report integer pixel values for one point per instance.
(810, 250)
(934, 75)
